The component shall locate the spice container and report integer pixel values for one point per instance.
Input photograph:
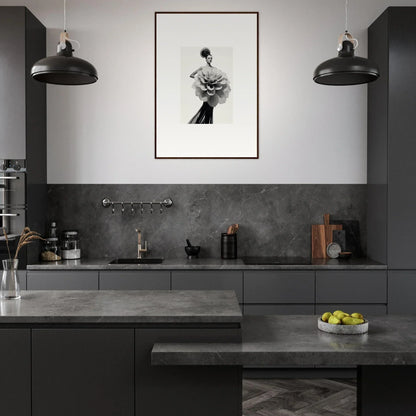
(70, 248)
(50, 250)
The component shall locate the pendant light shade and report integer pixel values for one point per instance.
(64, 69)
(346, 69)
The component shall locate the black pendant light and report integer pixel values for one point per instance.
(64, 68)
(346, 68)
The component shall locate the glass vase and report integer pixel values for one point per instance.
(10, 287)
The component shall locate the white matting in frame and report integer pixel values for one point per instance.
(206, 85)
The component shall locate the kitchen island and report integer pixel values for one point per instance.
(89, 353)
(385, 357)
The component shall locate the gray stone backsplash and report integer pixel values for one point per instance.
(274, 219)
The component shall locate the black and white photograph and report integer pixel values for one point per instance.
(211, 85)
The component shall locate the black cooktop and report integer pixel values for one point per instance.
(275, 260)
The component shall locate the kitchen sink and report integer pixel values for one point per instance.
(148, 260)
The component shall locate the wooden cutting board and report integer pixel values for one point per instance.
(322, 236)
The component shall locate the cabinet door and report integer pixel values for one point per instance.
(15, 372)
(279, 309)
(191, 390)
(21, 274)
(135, 280)
(402, 289)
(12, 91)
(358, 286)
(62, 280)
(209, 280)
(82, 372)
(279, 287)
(364, 308)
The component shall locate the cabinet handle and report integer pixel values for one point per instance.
(8, 178)
(9, 215)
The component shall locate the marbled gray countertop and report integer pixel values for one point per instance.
(124, 307)
(295, 340)
(209, 264)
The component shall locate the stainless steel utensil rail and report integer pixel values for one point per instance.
(133, 206)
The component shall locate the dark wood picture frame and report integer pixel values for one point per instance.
(256, 14)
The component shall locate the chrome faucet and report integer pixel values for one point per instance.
(140, 250)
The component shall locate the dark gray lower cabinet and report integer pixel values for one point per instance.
(402, 290)
(209, 280)
(15, 397)
(135, 280)
(364, 308)
(82, 372)
(279, 292)
(21, 274)
(62, 280)
(362, 286)
(186, 390)
(279, 309)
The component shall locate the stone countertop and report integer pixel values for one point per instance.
(295, 340)
(121, 307)
(210, 264)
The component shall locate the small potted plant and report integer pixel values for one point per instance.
(10, 287)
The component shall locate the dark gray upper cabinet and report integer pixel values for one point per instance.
(391, 139)
(23, 100)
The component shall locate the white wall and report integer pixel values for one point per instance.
(104, 133)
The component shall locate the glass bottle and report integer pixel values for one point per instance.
(10, 287)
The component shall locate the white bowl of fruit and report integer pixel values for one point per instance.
(340, 322)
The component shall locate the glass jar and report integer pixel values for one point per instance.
(50, 251)
(70, 248)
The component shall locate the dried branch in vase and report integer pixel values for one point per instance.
(26, 237)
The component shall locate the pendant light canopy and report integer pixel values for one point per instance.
(64, 68)
(346, 68)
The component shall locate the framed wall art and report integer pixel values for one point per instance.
(206, 85)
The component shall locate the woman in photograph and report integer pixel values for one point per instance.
(211, 86)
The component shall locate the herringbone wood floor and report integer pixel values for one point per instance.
(295, 397)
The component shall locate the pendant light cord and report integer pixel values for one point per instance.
(64, 15)
(346, 16)
(64, 35)
(346, 35)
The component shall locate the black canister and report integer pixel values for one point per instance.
(228, 246)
